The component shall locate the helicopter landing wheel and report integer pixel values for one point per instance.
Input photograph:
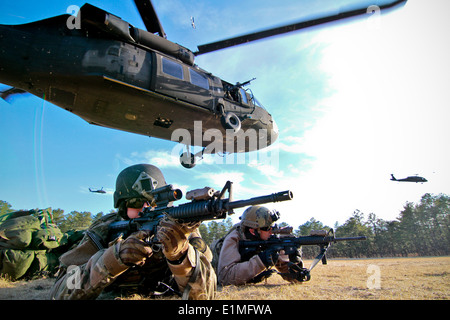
(231, 121)
(187, 160)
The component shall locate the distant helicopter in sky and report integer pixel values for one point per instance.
(415, 179)
(97, 191)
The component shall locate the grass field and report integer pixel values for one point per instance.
(399, 279)
(424, 278)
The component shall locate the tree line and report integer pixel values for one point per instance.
(421, 229)
(74, 220)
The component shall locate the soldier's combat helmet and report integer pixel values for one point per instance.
(257, 217)
(135, 181)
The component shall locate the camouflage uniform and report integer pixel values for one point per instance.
(234, 269)
(94, 266)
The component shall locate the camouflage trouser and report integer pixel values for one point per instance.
(195, 276)
(199, 283)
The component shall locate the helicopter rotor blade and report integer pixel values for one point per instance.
(214, 46)
(149, 17)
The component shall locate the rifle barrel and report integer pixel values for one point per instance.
(206, 210)
(274, 197)
(350, 238)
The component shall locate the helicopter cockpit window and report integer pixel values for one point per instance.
(243, 96)
(172, 68)
(257, 103)
(199, 79)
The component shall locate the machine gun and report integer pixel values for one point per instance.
(206, 204)
(246, 83)
(291, 244)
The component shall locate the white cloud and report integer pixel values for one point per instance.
(159, 158)
(218, 179)
(387, 113)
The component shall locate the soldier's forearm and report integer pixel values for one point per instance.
(89, 280)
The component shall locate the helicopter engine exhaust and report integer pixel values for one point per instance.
(113, 25)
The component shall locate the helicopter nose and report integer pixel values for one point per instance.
(273, 132)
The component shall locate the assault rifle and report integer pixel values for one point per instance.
(291, 244)
(206, 204)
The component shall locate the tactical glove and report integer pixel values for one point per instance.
(296, 257)
(174, 237)
(269, 257)
(298, 273)
(134, 250)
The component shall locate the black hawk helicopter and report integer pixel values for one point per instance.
(97, 190)
(115, 75)
(415, 179)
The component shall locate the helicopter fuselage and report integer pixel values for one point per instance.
(111, 79)
(415, 179)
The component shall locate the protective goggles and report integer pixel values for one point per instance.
(136, 203)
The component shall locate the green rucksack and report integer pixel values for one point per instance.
(15, 263)
(17, 233)
(33, 229)
(30, 243)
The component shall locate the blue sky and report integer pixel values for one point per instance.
(354, 103)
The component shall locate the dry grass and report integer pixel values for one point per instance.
(400, 279)
(25, 290)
